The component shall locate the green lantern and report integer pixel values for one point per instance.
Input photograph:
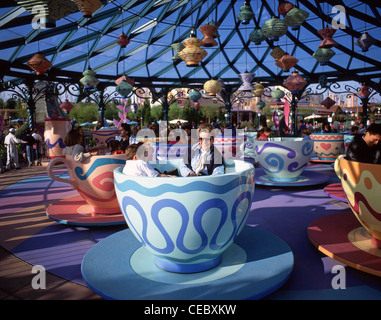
(274, 29)
(295, 17)
(323, 55)
(194, 95)
(89, 80)
(257, 36)
(246, 14)
(124, 89)
(177, 47)
(260, 105)
(277, 94)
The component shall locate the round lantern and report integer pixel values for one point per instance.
(123, 40)
(327, 34)
(213, 87)
(284, 7)
(39, 63)
(274, 28)
(246, 78)
(208, 31)
(246, 14)
(259, 89)
(364, 92)
(89, 81)
(194, 95)
(260, 105)
(88, 7)
(365, 41)
(295, 17)
(124, 89)
(295, 82)
(66, 106)
(323, 55)
(286, 62)
(257, 36)
(277, 94)
(177, 47)
(192, 54)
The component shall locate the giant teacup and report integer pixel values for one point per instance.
(328, 146)
(56, 130)
(285, 160)
(186, 223)
(362, 186)
(94, 180)
(105, 134)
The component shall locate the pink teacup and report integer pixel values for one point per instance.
(328, 146)
(94, 180)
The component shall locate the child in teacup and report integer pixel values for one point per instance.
(138, 167)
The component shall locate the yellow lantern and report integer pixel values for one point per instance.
(192, 54)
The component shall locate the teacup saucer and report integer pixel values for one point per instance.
(307, 178)
(319, 160)
(255, 265)
(341, 237)
(75, 211)
(335, 191)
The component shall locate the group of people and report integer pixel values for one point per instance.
(32, 143)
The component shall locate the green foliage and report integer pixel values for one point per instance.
(156, 113)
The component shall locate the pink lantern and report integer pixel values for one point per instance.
(66, 106)
(295, 82)
(123, 40)
(125, 78)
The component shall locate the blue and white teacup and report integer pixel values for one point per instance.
(186, 223)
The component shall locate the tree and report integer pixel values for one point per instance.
(156, 113)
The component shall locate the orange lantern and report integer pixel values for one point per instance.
(327, 34)
(286, 62)
(39, 63)
(284, 7)
(88, 7)
(192, 54)
(208, 31)
(295, 82)
(123, 40)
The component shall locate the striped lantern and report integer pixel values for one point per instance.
(274, 29)
(213, 87)
(246, 14)
(192, 54)
(323, 55)
(246, 79)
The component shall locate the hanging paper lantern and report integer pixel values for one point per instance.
(66, 106)
(216, 24)
(246, 78)
(88, 7)
(89, 81)
(295, 17)
(277, 94)
(213, 87)
(246, 13)
(323, 80)
(192, 54)
(260, 105)
(286, 62)
(323, 55)
(257, 36)
(124, 89)
(123, 40)
(277, 53)
(365, 41)
(328, 102)
(125, 78)
(295, 82)
(327, 34)
(364, 92)
(284, 7)
(259, 89)
(177, 47)
(274, 29)
(39, 63)
(208, 31)
(194, 95)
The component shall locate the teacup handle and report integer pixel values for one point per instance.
(337, 166)
(54, 177)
